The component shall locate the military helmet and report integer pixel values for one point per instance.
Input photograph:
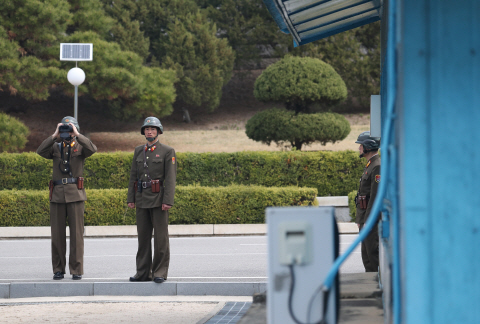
(69, 119)
(368, 142)
(152, 122)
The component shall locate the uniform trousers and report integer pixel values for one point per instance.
(152, 220)
(370, 250)
(59, 213)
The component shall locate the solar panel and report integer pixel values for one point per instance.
(76, 52)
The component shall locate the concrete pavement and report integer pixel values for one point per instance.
(87, 287)
(360, 303)
(123, 309)
(170, 302)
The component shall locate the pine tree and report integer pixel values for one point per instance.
(249, 29)
(182, 38)
(89, 15)
(203, 62)
(126, 31)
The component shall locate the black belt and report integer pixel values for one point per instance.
(65, 181)
(148, 184)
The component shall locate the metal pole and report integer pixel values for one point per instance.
(76, 103)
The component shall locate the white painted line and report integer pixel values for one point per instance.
(126, 279)
(254, 244)
(217, 278)
(219, 254)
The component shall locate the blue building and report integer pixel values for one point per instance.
(430, 106)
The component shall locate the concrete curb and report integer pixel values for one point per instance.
(64, 289)
(352, 285)
(174, 230)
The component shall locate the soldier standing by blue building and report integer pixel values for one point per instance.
(367, 192)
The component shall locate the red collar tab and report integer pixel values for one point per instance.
(150, 148)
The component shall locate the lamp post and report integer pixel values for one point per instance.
(76, 76)
(76, 52)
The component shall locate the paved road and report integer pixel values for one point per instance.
(199, 259)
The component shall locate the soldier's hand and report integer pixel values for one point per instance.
(75, 131)
(57, 133)
(166, 207)
(131, 205)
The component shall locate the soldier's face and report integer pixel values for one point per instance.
(150, 131)
(360, 150)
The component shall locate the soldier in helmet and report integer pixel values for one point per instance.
(366, 196)
(68, 149)
(151, 190)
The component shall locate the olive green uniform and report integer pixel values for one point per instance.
(161, 162)
(368, 187)
(67, 202)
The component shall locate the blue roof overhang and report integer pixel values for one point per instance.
(310, 20)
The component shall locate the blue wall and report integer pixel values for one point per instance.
(438, 143)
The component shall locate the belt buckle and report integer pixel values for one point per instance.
(64, 181)
(144, 185)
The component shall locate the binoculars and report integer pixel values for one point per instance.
(65, 131)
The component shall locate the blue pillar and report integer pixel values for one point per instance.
(438, 143)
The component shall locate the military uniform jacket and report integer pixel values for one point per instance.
(162, 165)
(83, 148)
(368, 187)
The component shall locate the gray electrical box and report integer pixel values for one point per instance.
(301, 242)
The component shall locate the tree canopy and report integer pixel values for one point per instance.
(201, 40)
(30, 35)
(183, 39)
(249, 29)
(253, 34)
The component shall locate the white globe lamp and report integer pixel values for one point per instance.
(76, 76)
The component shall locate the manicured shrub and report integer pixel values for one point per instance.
(13, 134)
(299, 82)
(284, 126)
(331, 173)
(193, 205)
(351, 205)
(304, 85)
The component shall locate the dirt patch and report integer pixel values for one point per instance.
(214, 141)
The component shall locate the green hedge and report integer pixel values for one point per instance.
(193, 205)
(351, 205)
(332, 173)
